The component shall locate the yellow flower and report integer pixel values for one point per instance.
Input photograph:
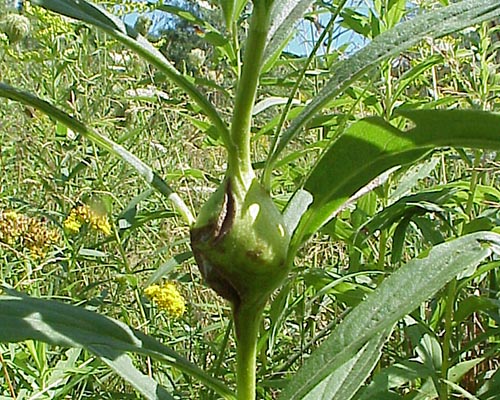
(20, 231)
(168, 298)
(72, 224)
(100, 223)
(85, 215)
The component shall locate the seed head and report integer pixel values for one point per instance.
(16, 27)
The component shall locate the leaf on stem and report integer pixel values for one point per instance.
(23, 317)
(397, 296)
(345, 381)
(372, 146)
(431, 25)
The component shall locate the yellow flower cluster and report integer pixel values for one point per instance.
(22, 232)
(168, 298)
(85, 215)
(50, 25)
(127, 7)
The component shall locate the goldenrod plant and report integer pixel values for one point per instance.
(168, 298)
(85, 215)
(244, 244)
(21, 232)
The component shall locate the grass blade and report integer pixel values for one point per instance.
(143, 169)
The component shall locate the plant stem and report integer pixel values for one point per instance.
(247, 322)
(474, 181)
(271, 160)
(239, 162)
(7, 378)
(448, 331)
(452, 286)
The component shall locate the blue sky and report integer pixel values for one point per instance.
(306, 35)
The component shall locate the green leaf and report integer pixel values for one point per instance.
(168, 266)
(393, 377)
(398, 240)
(372, 146)
(397, 296)
(104, 142)
(185, 15)
(23, 317)
(122, 365)
(232, 10)
(228, 7)
(457, 372)
(411, 177)
(356, 21)
(345, 381)
(390, 43)
(405, 208)
(284, 16)
(474, 304)
(87, 12)
(295, 208)
(479, 224)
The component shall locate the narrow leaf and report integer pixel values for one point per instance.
(270, 102)
(390, 43)
(345, 381)
(393, 377)
(397, 296)
(168, 266)
(122, 365)
(85, 11)
(295, 208)
(228, 8)
(23, 317)
(104, 142)
(284, 16)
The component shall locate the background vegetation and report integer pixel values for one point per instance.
(47, 171)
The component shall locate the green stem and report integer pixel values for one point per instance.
(382, 250)
(448, 331)
(271, 160)
(247, 322)
(474, 180)
(239, 161)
